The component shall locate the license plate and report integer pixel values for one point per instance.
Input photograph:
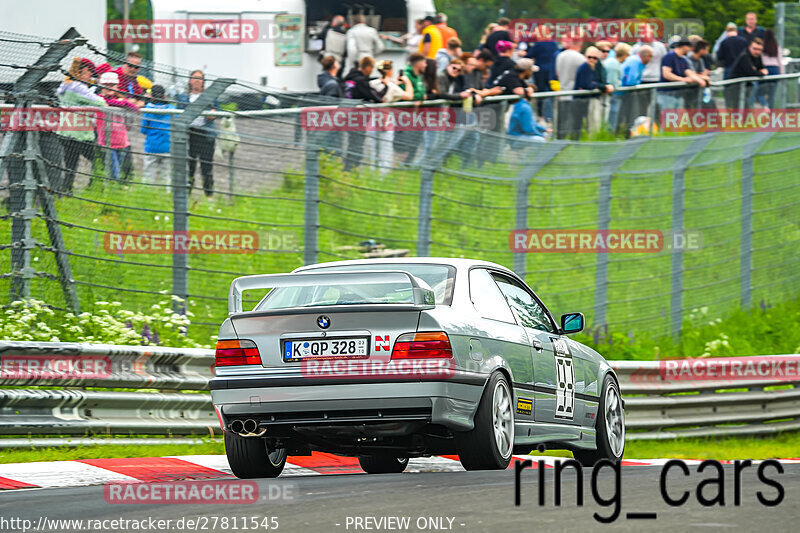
(296, 350)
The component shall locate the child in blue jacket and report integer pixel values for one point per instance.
(156, 128)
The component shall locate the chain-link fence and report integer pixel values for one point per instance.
(90, 214)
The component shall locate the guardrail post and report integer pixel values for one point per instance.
(651, 109)
(22, 181)
(311, 194)
(604, 222)
(748, 153)
(678, 187)
(180, 181)
(541, 157)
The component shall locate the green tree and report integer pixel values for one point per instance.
(715, 14)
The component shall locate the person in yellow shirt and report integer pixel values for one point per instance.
(431, 40)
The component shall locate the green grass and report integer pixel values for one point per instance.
(473, 210)
(781, 446)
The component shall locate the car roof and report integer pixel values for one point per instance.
(459, 263)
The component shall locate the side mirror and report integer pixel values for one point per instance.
(572, 323)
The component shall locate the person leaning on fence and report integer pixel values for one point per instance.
(357, 82)
(588, 79)
(128, 79)
(202, 134)
(119, 144)
(675, 68)
(393, 90)
(503, 62)
(328, 80)
(730, 48)
(614, 77)
(156, 130)
(747, 65)
(74, 91)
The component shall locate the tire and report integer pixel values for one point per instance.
(490, 444)
(610, 426)
(250, 458)
(382, 464)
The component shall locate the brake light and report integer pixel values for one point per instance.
(238, 352)
(425, 345)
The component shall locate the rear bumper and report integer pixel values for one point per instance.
(301, 401)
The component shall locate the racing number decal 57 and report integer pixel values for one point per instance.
(565, 380)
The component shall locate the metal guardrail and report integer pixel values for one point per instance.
(656, 408)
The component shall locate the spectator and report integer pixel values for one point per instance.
(675, 67)
(652, 70)
(362, 41)
(585, 78)
(746, 65)
(503, 62)
(486, 33)
(634, 65)
(431, 40)
(328, 82)
(119, 144)
(156, 130)
(446, 31)
(515, 80)
(410, 40)
(414, 70)
(393, 90)
(334, 40)
(698, 60)
(74, 91)
(451, 82)
(772, 59)
(544, 54)
(613, 66)
(202, 134)
(128, 81)
(730, 48)
(634, 103)
(567, 63)
(751, 30)
(499, 33)
(471, 72)
(484, 61)
(522, 123)
(357, 82)
(445, 55)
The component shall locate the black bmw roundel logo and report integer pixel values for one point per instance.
(323, 322)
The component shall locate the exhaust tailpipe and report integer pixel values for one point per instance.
(237, 427)
(250, 426)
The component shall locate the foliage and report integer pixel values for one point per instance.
(715, 14)
(33, 320)
(759, 331)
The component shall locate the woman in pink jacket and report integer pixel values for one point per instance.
(120, 146)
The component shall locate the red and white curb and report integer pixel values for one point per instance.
(209, 467)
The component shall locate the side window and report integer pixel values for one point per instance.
(487, 298)
(529, 312)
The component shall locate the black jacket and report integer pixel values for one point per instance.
(746, 66)
(729, 50)
(357, 84)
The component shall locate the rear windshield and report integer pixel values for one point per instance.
(439, 277)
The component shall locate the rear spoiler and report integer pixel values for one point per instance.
(423, 294)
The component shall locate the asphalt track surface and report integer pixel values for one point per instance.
(475, 501)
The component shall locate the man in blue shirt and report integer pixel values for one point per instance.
(522, 124)
(675, 67)
(633, 66)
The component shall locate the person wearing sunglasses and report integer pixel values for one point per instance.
(451, 82)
